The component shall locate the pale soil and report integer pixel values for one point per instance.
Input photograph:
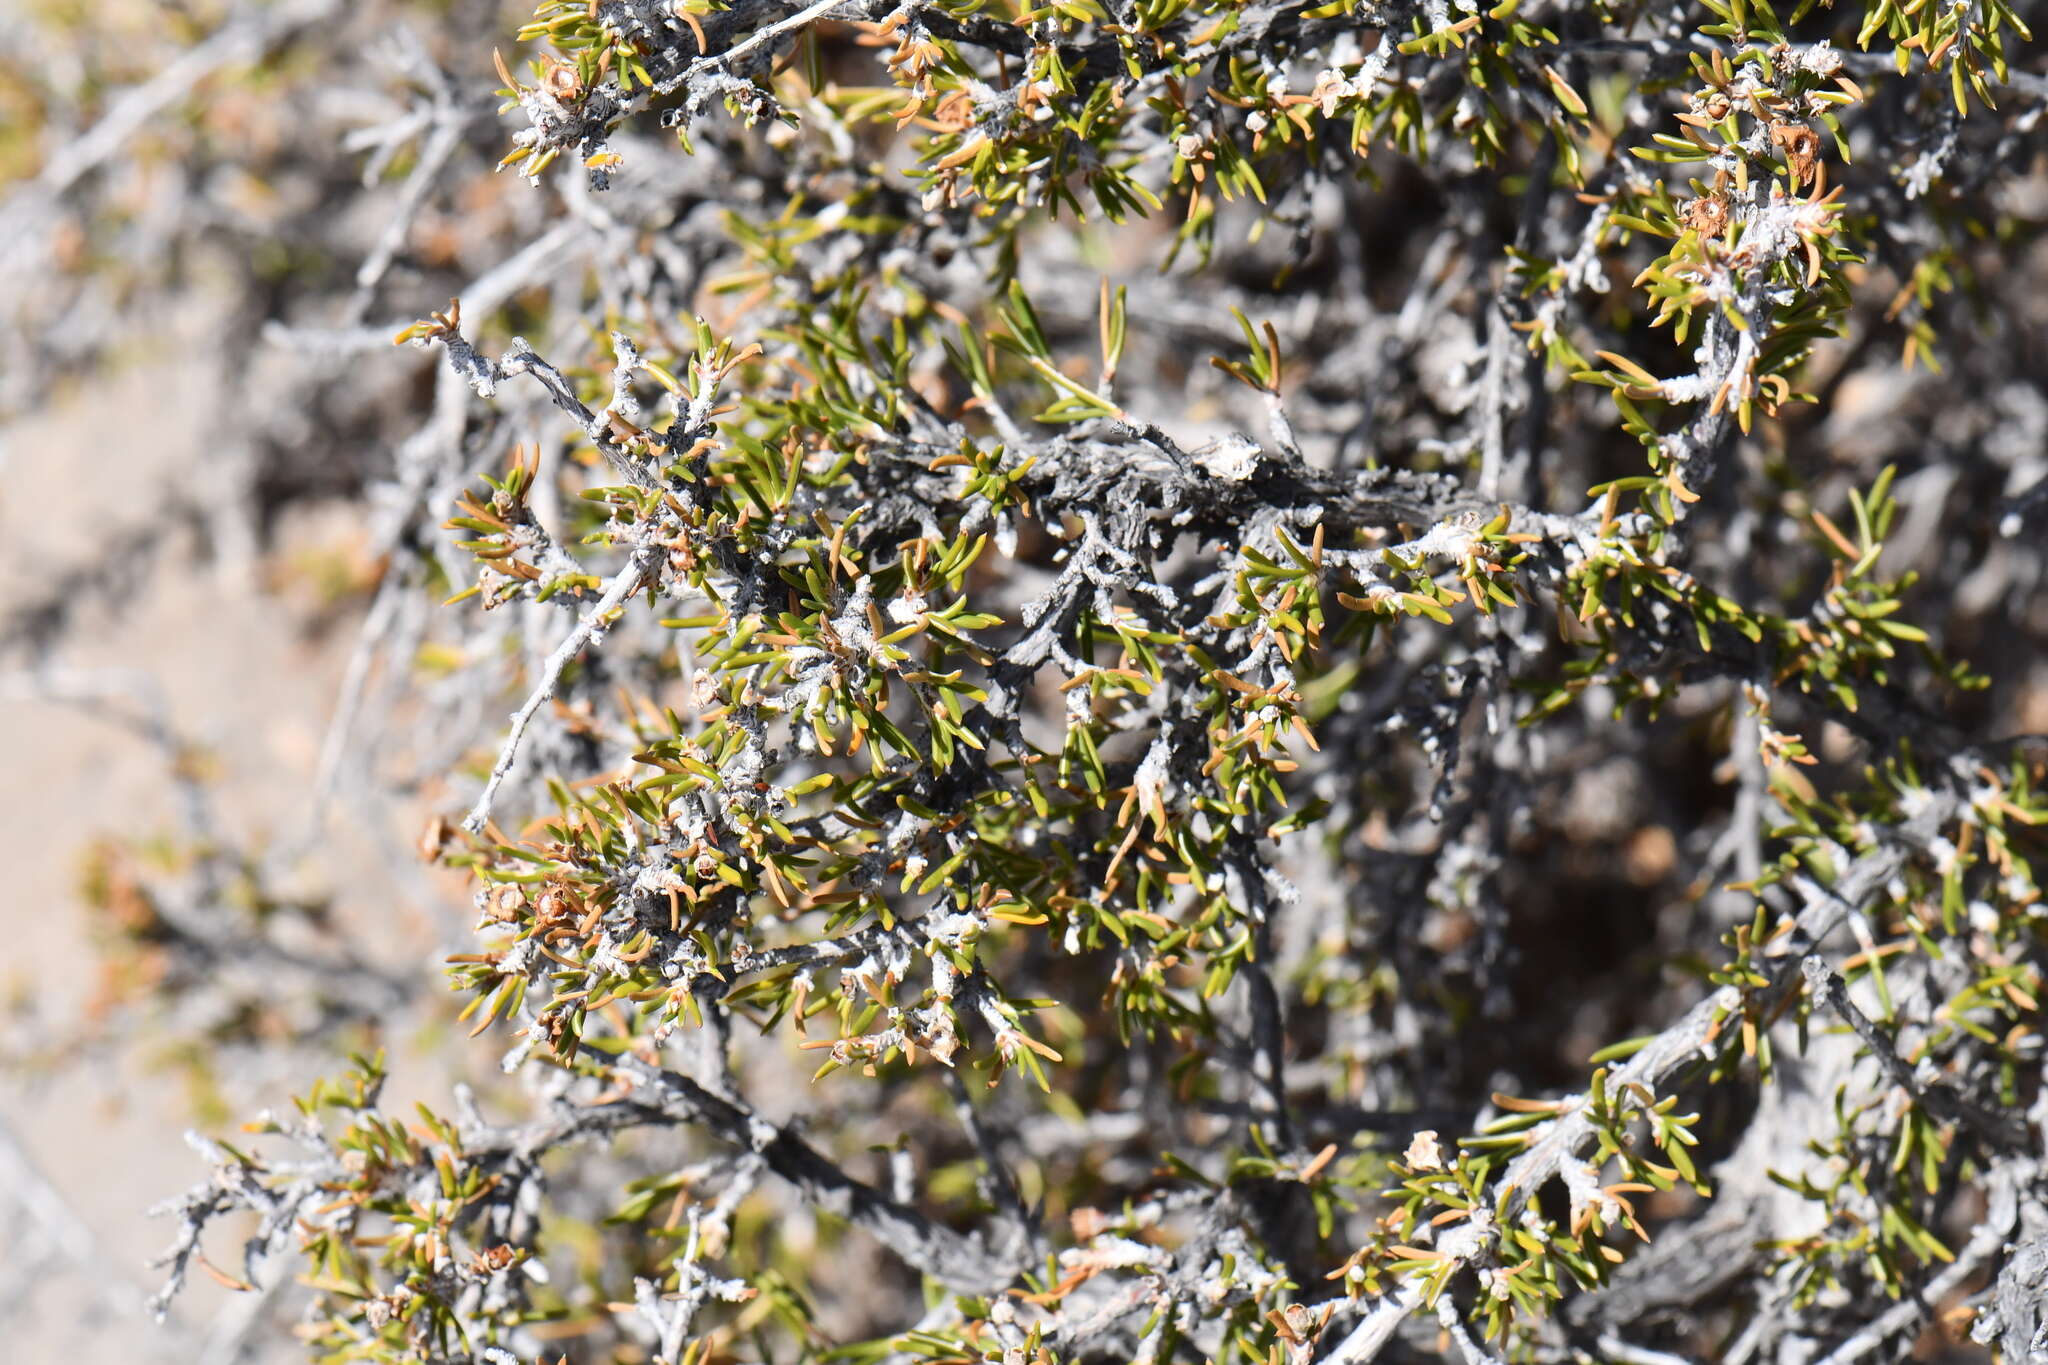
(240, 678)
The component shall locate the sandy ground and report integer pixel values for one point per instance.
(89, 1147)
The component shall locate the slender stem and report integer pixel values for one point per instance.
(594, 623)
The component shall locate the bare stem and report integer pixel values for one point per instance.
(593, 625)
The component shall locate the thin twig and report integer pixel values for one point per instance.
(1939, 1100)
(593, 625)
(1469, 1350)
(1628, 1353)
(440, 145)
(768, 34)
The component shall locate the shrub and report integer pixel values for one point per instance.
(1201, 679)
